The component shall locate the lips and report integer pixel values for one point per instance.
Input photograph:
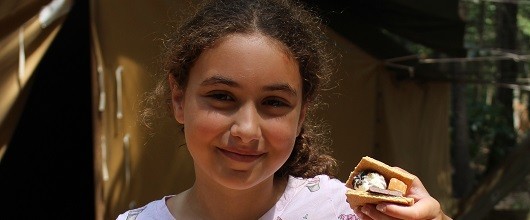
(241, 156)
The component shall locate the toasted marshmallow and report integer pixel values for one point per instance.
(364, 181)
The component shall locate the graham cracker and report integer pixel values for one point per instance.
(358, 198)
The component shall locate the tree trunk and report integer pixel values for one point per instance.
(506, 29)
(462, 175)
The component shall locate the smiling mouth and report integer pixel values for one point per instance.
(246, 158)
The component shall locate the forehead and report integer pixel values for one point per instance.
(251, 43)
(244, 56)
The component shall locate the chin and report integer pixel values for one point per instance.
(242, 180)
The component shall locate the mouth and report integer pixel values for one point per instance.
(241, 157)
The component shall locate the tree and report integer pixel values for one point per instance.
(506, 30)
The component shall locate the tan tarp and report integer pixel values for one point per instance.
(132, 166)
(23, 42)
(400, 122)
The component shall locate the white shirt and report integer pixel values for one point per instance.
(315, 198)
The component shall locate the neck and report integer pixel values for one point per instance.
(213, 201)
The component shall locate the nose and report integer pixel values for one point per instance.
(246, 124)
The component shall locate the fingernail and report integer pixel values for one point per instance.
(364, 210)
(357, 210)
(381, 207)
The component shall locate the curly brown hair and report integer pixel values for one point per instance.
(290, 23)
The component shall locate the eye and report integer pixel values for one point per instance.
(276, 103)
(220, 96)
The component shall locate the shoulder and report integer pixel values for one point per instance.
(154, 210)
(131, 214)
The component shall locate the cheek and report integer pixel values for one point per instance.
(201, 126)
(282, 133)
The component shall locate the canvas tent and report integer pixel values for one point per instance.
(27, 31)
(46, 150)
(370, 112)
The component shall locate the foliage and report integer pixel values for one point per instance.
(484, 126)
(491, 129)
(490, 122)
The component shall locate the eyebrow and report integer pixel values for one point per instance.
(217, 79)
(281, 87)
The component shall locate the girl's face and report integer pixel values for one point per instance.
(242, 110)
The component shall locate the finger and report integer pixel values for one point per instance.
(373, 213)
(416, 189)
(360, 215)
(426, 208)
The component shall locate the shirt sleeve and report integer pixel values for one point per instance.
(122, 216)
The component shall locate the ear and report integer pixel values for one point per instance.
(303, 112)
(177, 100)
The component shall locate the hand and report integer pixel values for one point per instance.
(425, 206)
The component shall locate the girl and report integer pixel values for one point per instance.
(243, 77)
